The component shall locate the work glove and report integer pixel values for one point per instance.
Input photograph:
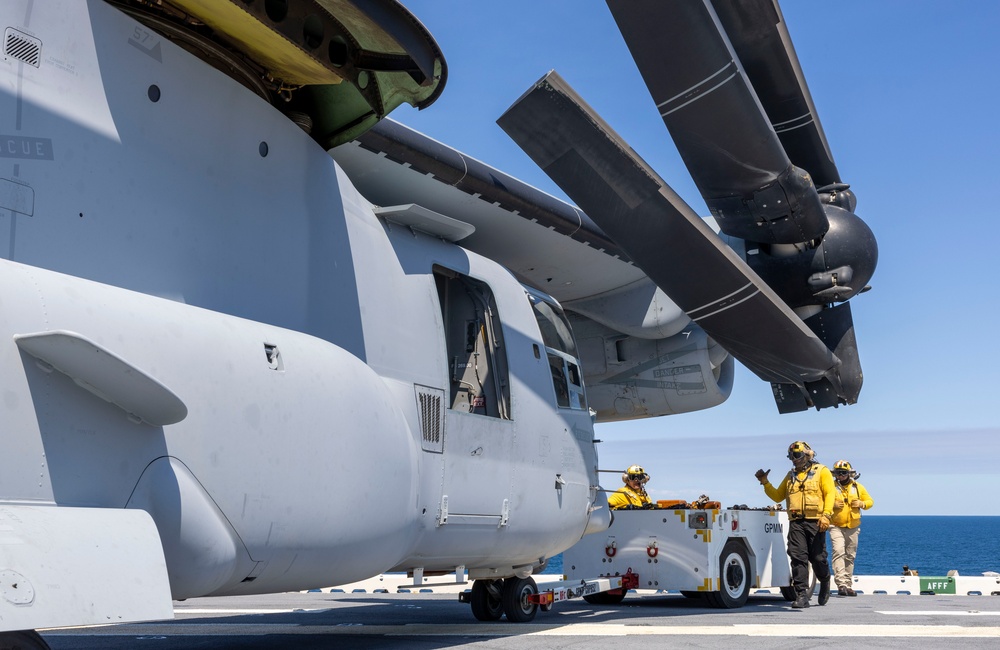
(838, 504)
(823, 524)
(857, 503)
(762, 476)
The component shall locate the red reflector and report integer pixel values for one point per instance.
(546, 598)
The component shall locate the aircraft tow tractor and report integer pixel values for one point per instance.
(704, 551)
(707, 551)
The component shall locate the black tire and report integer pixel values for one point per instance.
(486, 600)
(605, 598)
(693, 595)
(712, 600)
(515, 599)
(734, 573)
(788, 593)
(22, 640)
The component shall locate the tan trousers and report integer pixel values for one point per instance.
(845, 547)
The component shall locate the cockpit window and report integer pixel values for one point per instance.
(556, 332)
(560, 348)
(558, 366)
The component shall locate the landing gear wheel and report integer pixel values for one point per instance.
(734, 570)
(605, 598)
(516, 605)
(22, 640)
(486, 600)
(788, 593)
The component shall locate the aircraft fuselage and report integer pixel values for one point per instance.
(202, 318)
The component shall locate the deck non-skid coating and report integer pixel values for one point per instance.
(439, 620)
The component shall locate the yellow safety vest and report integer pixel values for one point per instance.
(846, 516)
(805, 494)
(624, 497)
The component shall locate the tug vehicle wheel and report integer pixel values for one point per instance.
(734, 571)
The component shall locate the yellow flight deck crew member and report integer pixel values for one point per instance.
(808, 491)
(850, 499)
(633, 494)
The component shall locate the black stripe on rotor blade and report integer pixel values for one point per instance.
(758, 34)
(720, 128)
(663, 235)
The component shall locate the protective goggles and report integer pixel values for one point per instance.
(636, 477)
(796, 455)
(841, 472)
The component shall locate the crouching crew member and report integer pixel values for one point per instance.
(808, 492)
(633, 494)
(850, 499)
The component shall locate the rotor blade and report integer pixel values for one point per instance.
(758, 34)
(663, 235)
(835, 327)
(721, 131)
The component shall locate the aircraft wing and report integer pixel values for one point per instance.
(775, 297)
(544, 241)
(630, 333)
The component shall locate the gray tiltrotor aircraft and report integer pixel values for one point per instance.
(231, 292)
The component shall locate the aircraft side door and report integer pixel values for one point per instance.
(478, 439)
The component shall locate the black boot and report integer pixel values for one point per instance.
(801, 601)
(824, 592)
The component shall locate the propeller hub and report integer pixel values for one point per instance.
(829, 270)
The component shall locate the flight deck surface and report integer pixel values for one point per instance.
(644, 620)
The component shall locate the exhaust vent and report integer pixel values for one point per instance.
(430, 407)
(22, 47)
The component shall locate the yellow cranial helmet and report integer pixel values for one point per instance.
(635, 473)
(798, 449)
(844, 473)
(843, 465)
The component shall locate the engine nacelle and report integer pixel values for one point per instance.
(629, 377)
(834, 270)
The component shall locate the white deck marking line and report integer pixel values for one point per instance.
(970, 612)
(249, 611)
(576, 630)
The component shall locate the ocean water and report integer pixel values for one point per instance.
(932, 545)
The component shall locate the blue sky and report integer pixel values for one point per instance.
(907, 94)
